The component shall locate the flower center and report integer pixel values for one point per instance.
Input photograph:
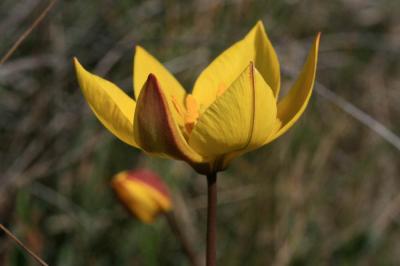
(188, 114)
(192, 113)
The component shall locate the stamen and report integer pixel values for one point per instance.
(179, 114)
(187, 115)
(221, 89)
(192, 113)
(177, 106)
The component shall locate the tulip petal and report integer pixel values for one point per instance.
(145, 64)
(265, 58)
(292, 106)
(155, 125)
(224, 70)
(110, 104)
(239, 120)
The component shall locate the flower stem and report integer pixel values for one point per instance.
(211, 220)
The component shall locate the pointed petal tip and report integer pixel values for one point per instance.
(152, 83)
(76, 61)
(78, 67)
(315, 46)
(136, 47)
(152, 78)
(81, 73)
(292, 106)
(318, 38)
(260, 26)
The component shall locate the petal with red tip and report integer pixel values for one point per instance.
(155, 125)
(143, 193)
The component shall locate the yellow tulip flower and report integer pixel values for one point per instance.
(233, 107)
(143, 193)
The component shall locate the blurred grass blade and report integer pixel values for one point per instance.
(355, 112)
(359, 115)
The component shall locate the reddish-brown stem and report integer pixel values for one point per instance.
(212, 220)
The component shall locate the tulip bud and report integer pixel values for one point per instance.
(143, 193)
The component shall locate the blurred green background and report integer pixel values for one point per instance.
(326, 193)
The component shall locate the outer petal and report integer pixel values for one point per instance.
(220, 74)
(155, 125)
(265, 58)
(292, 106)
(240, 120)
(145, 64)
(110, 104)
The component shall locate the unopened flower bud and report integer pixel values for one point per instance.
(143, 193)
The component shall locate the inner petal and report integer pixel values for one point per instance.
(239, 120)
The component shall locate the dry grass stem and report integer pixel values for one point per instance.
(27, 32)
(16, 240)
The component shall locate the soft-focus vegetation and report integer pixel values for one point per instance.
(327, 193)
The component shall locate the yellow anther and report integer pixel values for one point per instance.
(188, 114)
(177, 106)
(221, 89)
(192, 112)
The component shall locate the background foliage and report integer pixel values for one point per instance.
(327, 193)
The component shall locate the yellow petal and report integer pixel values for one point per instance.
(220, 74)
(240, 120)
(292, 106)
(145, 64)
(110, 104)
(265, 58)
(155, 125)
